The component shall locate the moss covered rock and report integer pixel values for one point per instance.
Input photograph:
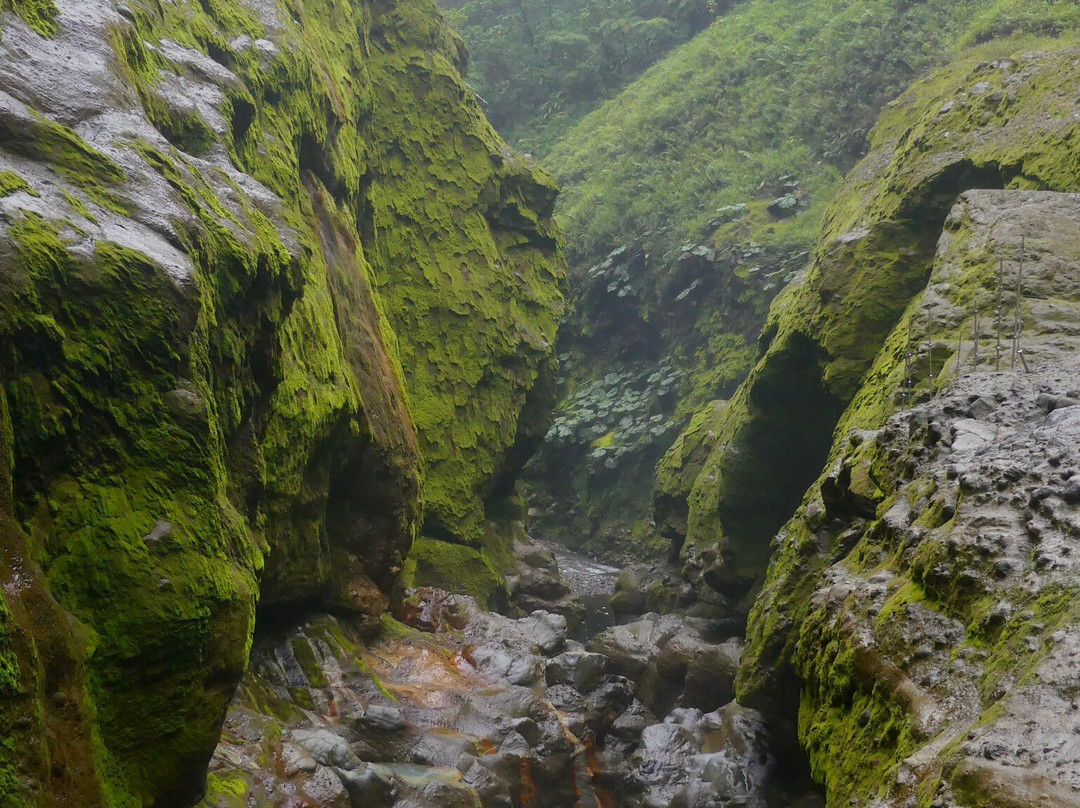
(437, 563)
(903, 611)
(976, 124)
(469, 278)
(223, 269)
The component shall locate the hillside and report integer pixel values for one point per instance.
(693, 197)
(537, 66)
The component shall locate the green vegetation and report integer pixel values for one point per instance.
(476, 316)
(11, 183)
(696, 194)
(823, 334)
(181, 443)
(538, 66)
(624, 397)
(466, 569)
(772, 91)
(68, 155)
(1012, 18)
(40, 15)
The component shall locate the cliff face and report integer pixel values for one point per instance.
(742, 469)
(918, 612)
(255, 259)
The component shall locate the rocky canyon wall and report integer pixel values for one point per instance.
(271, 284)
(917, 613)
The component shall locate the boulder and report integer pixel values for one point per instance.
(583, 670)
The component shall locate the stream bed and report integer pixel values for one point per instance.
(593, 583)
(449, 706)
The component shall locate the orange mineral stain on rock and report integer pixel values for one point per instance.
(528, 785)
(592, 765)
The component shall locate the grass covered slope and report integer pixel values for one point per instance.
(205, 404)
(773, 88)
(689, 200)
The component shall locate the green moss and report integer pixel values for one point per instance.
(394, 629)
(226, 789)
(11, 183)
(98, 345)
(908, 593)
(466, 569)
(182, 446)
(309, 664)
(1017, 648)
(78, 206)
(61, 149)
(472, 286)
(854, 722)
(40, 15)
(490, 334)
(10, 676)
(718, 366)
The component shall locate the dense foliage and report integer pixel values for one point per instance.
(775, 88)
(539, 65)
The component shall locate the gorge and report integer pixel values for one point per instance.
(296, 366)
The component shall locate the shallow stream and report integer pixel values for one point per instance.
(593, 582)
(453, 707)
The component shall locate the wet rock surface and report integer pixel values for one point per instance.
(963, 597)
(454, 716)
(235, 340)
(920, 608)
(480, 709)
(949, 623)
(538, 583)
(676, 661)
(722, 758)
